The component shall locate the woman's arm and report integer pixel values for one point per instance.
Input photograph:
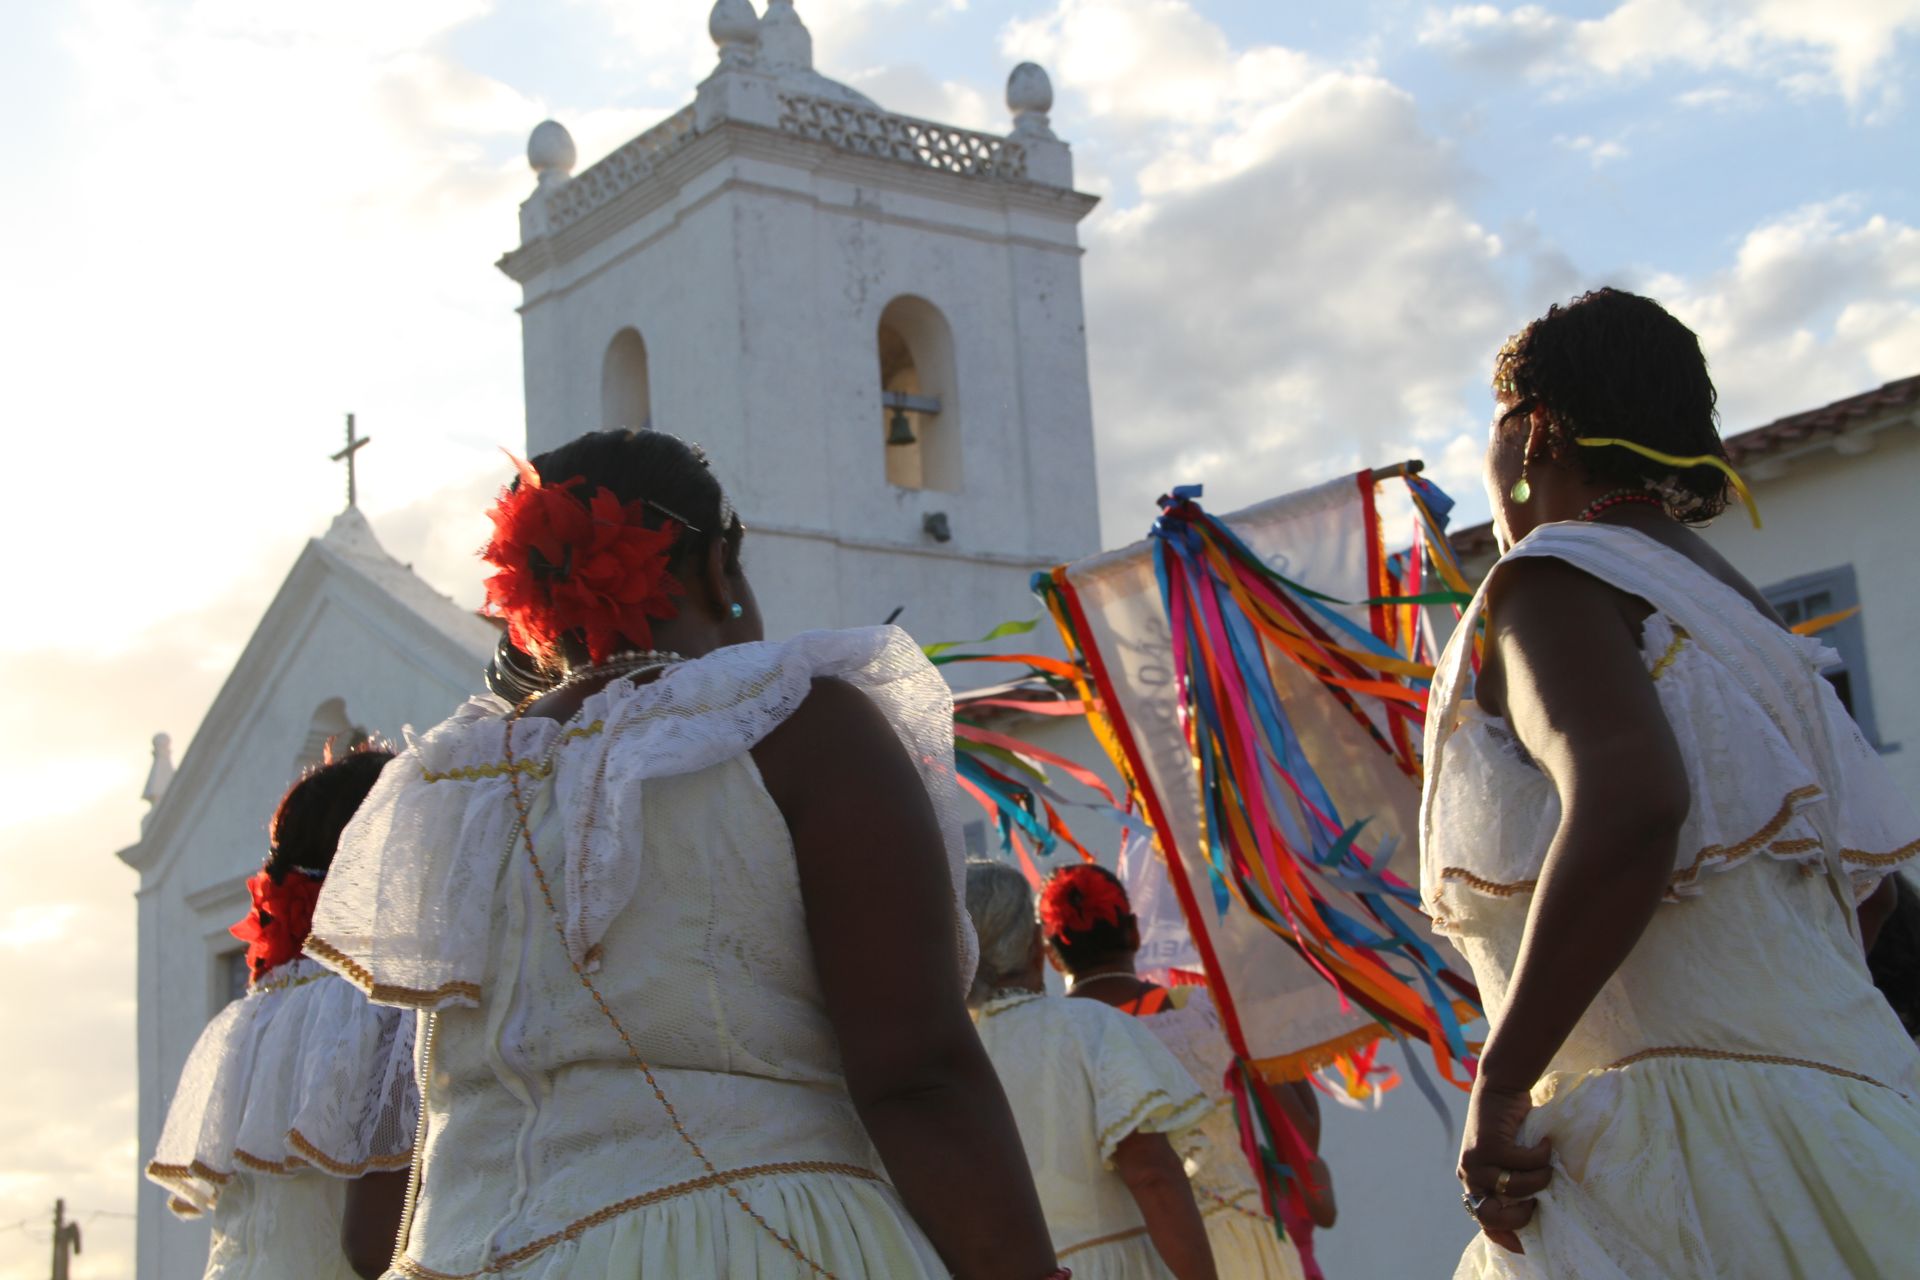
(1146, 1162)
(371, 1223)
(880, 913)
(1297, 1099)
(1581, 702)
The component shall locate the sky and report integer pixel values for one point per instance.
(235, 220)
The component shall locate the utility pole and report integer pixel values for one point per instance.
(66, 1236)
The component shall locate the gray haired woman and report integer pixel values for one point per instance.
(1105, 1111)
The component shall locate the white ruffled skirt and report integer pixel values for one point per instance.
(854, 1228)
(1688, 1167)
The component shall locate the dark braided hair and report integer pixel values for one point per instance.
(1103, 942)
(670, 475)
(314, 811)
(1614, 364)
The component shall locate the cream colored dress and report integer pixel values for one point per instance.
(1082, 1077)
(1738, 1101)
(548, 1152)
(1246, 1246)
(291, 1091)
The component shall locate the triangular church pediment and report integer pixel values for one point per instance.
(353, 642)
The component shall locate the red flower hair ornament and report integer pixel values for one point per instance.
(1077, 898)
(282, 916)
(565, 564)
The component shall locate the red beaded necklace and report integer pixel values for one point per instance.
(1619, 498)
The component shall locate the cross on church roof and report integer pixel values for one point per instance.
(346, 455)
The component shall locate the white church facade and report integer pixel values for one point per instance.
(874, 325)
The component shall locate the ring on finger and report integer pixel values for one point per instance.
(1501, 1183)
(1473, 1202)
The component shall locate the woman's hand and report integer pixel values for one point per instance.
(1492, 1152)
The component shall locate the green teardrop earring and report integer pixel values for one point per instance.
(1522, 490)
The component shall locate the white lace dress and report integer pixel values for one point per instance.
(1081, 1077)
(291, 1091)
(1738, 1101)
(1245, 1244)
(548, 1153)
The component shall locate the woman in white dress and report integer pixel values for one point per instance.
(293, 1122)
(1093, 938)
(1105, 1111)
(1647, 826)
(687, 925)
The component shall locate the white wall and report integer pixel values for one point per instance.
(1828, 510)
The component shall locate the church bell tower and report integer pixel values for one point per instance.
(872, 322)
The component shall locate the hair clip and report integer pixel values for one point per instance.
(672, 515)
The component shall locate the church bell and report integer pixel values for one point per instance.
(899, 430)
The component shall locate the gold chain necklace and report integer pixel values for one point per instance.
(613, 1019)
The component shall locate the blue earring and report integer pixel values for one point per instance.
(736, 611)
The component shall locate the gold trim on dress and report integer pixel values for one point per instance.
(408, 1267)
(321, 1160)
(1728, 1055)
(382, 993)
(1713, 852)
(1775, 825)
(1865, 859)
(1667, 659)
(1141, 1109)
(1097, 1241)
(287, 984)
(182, 1172)
(308, 1156)
(1493, 888)
(499, 769)
(1222, 1204)
(1000, 1004)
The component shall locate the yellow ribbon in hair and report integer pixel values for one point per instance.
(1703, 460)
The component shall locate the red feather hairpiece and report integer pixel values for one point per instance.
(564, 563)
(276, 926)
(1076, 898)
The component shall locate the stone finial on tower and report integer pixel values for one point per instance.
(159, 777)
(785, 41)
(735, 28)
(1030, 98)
(551, 153)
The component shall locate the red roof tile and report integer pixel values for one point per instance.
(1829, 420)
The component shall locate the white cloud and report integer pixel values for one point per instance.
(1292, 286)
(1516, 40)
(913, 91)
(1837, 46)
(1152, 61)
(1818, 304)
(1598, 151)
